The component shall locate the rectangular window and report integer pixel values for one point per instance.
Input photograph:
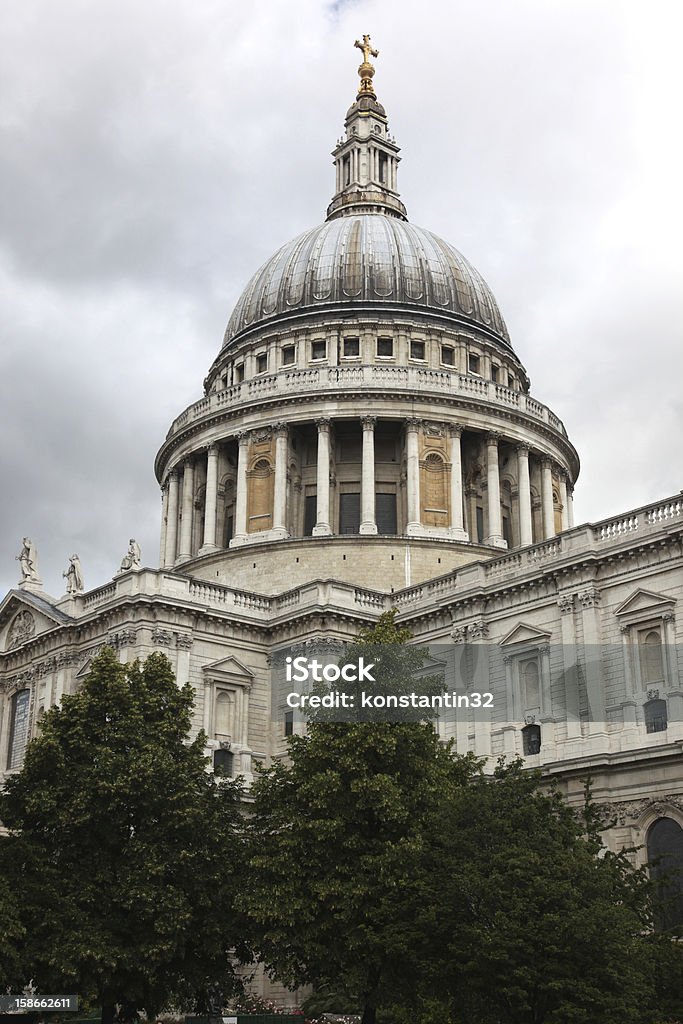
(310, 514)
(318, 350)
(511, 380)
(417, 350)
(288, 355)
(262, 362)
(239, 373)
(447, 355)
(494, 374)
(351, 347)
(229, 528)
(385, 346)
(346, 170)
(507, 536)
(289, 723)
(349, 513)
(480, 524)
(18, 730)
(473, 363)
(385, 514)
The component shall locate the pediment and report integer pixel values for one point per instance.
(229, 669)
(25, 615)
(523, 633)
(645, 603)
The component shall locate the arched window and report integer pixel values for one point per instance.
(225, 714)
(531, 739)
(531, 688)
(18, 729)
(655, 715)
(222, 761)
(651, 661)
(665, 858)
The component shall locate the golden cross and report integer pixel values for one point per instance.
(367, 49)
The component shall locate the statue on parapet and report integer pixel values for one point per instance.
(74, 576)
(132, 557)
(28, 560)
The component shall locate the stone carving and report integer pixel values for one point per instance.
(479, 630)
(123, 638)
(132, 558)
(433, 430)
(565, 603)
(183, 642)
(459, 634)
(162, 637)
(28, 560)
(623, 628)
(653, 694)
(23, 628)
(74, 576)
(590, 598)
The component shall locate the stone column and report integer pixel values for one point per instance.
(368, 522)
(413, 477)
(172, 519)
(240, 535)
(563, 500)
(280, 496)
(526, 535)
(457, 523)
(547, 499)
(210, 501)
(592, 661)
(322, 526)
(164, 524)
(570, 505)
(495, 535)
(187, 510)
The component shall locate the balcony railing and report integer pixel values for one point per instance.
(364, 379)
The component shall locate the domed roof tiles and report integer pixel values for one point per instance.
(362, 262)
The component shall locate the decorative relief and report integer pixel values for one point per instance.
(565, 603)
(23, 628)
(653, 694)
(162, 637)
(183, 641)
(368, 422)
(459, 634)
(479, 630)
(623, 628)
(261, 436)
(434, 430)
(124, 638)
(627, 812)
(590, 598)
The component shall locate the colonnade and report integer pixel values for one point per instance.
(179, 491)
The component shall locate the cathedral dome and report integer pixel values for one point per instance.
(368, 261)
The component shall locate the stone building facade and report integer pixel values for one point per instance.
(366, 440)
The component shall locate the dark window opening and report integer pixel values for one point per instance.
(229, 528)
(318, 349)
(385, 346)
(473, 364)
(447, 355)
(417, 350)
(385, 514)
(351, 346)
(222, 760)
(507, 535)
(494, 374)
(383, 168)
(480, 524)
(18, 734)
(346, 170)
(310, 514)
(531, 739)
(239, 373)
(665, 857)
(349, 513)
(262, 362)
(289, 723)
(288, 355)
(655, 716)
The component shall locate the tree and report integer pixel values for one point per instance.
(339, 837)
(536, 921)
(124, 851)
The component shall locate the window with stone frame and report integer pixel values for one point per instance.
(351, 348)
(385, 347)
(288, 355)
(289, 723)
(448, 355)
(223, 759)
(224, 714)
(665, 860)
(18, 728)
(262, 362)
(318, 350)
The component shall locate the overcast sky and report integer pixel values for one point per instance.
(153, 154)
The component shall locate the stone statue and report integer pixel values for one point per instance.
(28, 560)
(74, 576)
(131, 559)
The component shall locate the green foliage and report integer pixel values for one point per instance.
(122, 847)
(339, 843)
